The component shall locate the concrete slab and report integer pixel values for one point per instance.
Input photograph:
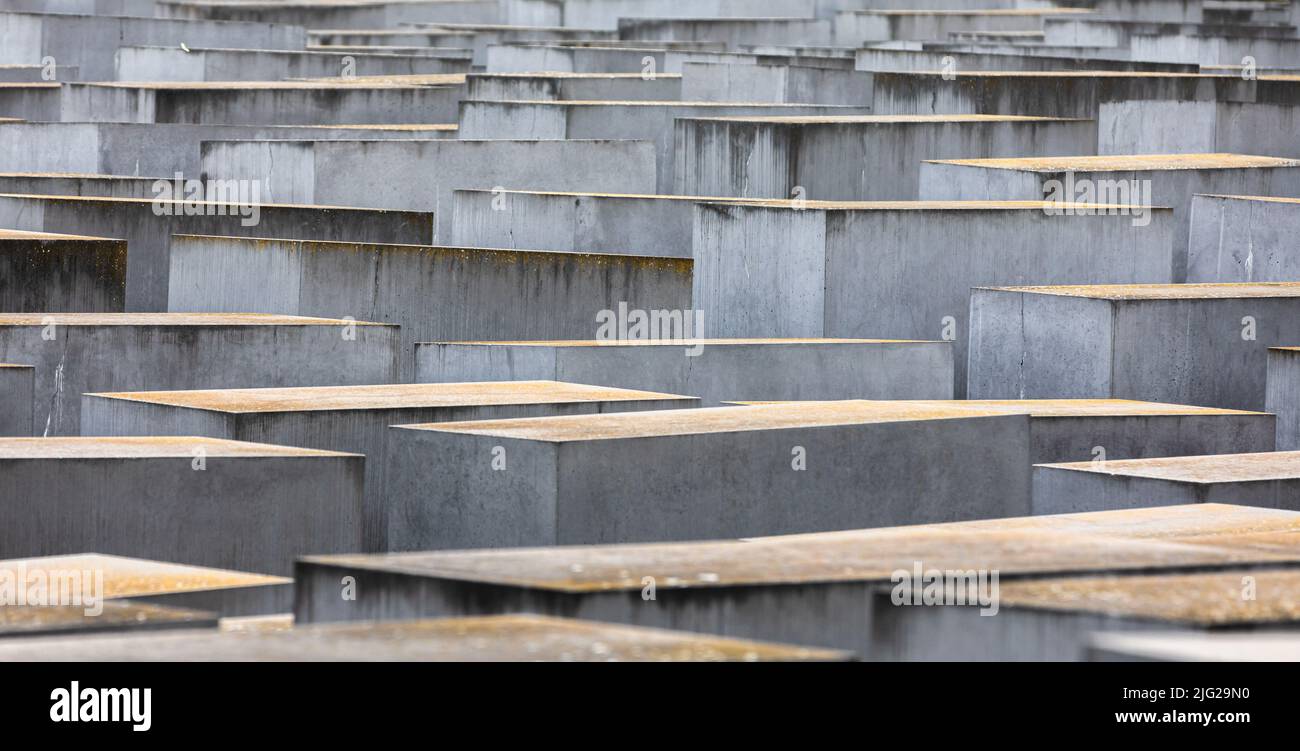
(477, 37)
(732, 31)
(111, 578)
(1255, 646)
(823, 269)
(421, 175)
(1162, 180)
(17, 73)
(181, 499)
(42, 272)
(516, 638)
(30, 101)
(698, 474)
(1282, 395)
(17, 383)
(76, 353)
(1242, 239)
(148, 227)
(853, 28)
(137, 8)
(843, 158)
(16, 621)
(648, 121)
(76, 184)
(716, 370)
(138, 63)
(433, 293)
(781, 84)
(1053, 619)
(1117, 341)
(352, 419)
(575, 86)
(604, 14)
(881, 59)
(806, 589)
(1269, 46)
(361, 14)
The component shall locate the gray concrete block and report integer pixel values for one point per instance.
(1271, 480)
(550, 86)
(17, 73)
(17, 384)
(148, 226)
(1268, 46)
(71, 184)
(421, 175)
(853, 28)
(876, 157)
(477, 37)
(652, 57)
(30, 101)
(137, 8)
(136, 63)
(881, 59)
(335, 15)
(515, 638)
(733, 31)
(1282, 395)
(1256, 645)
(41, 272)
(1243, 239)
(781, 84)
(889, 269)
(699, 474)
(77, 353)
(433, 293)
(110, 578)
(1159, 179)
(604, 14)
(647, 121)
(111, 617)
(716, 370)
(351, 419)
(182, 499)
(1201, 344)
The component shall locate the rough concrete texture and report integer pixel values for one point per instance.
(148, 226)
(11, 73)
(1115, 342)
(175, 64)
(852, 158)
(1243, 239)
(733, 31)
(73, 620)
(351, 419)
(568, 86)
(432, 293)
(780, 84)
(30, 101)
(76, 353)
(854, 28)
(181, 499)
(715, 370)
(775, 268)
(74, 184)
(17, 383)
(1241, 124)
(604, 14)
(41, 272)
(1282, 395)
(885, 60)
(477, 37)
(333, 14)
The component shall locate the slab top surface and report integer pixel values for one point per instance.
(1165, 291)
(360, 82)
(679, 342)
(171, 319)
(1038, 206)
(146, 447)
(394, 396)
(492, 638)
(1252, 646)
(152, 202)
(1125, 163)
(1202, 470)
(15, 234)
(886, 119)
(17, 620)
(1261, 199)
(133, 577)
(1083, 407)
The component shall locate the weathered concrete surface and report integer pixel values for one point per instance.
(1116, 341)
(642, 57)
(604, 14)
(76, 353)
(1159, 179)
(715, 370)
(41, 272)
(853, 28)
(421, 175)
(1243, 239)
(335, 15)
(699, 474)
(73, 184)
(90, 42)
(880, 59)
(16, 73)
(512, 638)
(110, 578)
(1053, 619)
(174, 64)
(1282, 395)
(351, 419)
(1268, 46)
(575, 86)
(73, 620)
(1255, 645)
(182, 499)
(1271, 480)
(17, 383)
(30, 101)
(363, 101)
(807, 589)
(733, 31)
(890, 270)
(648, 121)
(863, 158)
(148, 227)
(433, 293)
(781, 84)
(477, 37)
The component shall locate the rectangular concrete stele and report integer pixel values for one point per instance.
(73, 184)
(715, 370)
(879, 59)
(632, 86)
(1158, 179)
(148, 225)
(30, 101)
(1250, 646)
(875, 157)
(1201, 344)
(648, 121)
(733, 31)
(853, 28)
(822, 584)
(699, 474)
(433, 99)
(16, 402)
(784, 84)
(41, 272)
(604, 14)
(33, 73)
(181, 499)
(349, 418)
(511, 638)
(110, 617)
(1282, 395)
(433, 293)
(333, 14)
(421, 175)
(1243, 239)
(111, 578)
(77, 353)
(477, 37)
(902, 270)
(1269, 479)
(138, 63)
(1052, 619)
